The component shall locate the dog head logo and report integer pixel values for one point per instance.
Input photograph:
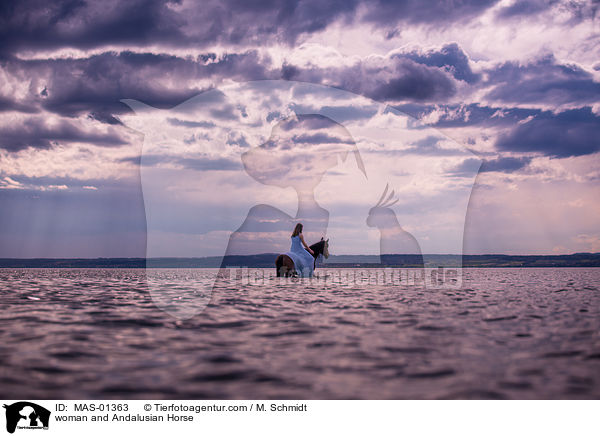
(26, 415)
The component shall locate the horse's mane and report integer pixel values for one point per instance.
(316, 245)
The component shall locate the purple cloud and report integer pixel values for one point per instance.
(578, 11)
(36, 133)
(569, 133)
(397, 79)
(499, 165)
(450, 57)
(542, 81)
(35, 24)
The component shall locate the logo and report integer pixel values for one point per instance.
(227, 175)
(26, 415)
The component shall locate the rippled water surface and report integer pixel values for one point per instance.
(96, 333)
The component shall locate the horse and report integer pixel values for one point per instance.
(284, 265)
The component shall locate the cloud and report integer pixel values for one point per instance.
(391, 79)
(570, 133)
(34, 24)
(96, 84)
(203, 163)
(419, 12)
(500, 165)
(39, 25)
(430, 146)
(317, 138)
(413, 81)
(544, 80)
(210, 164)
(46, 182)
(523, 8)
(591, 243)
(190, 124)
(399, 76)
(450, 57)
(8, 104)
(576, 10)
(66, 64)
(9, 183)
(104, 117)
(40, 134)
(504, 164)
(448, 116)
(348, 112)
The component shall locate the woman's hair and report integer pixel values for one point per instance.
(297, 230)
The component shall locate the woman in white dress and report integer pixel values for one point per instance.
(302, 256)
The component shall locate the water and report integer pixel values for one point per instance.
(96, 333)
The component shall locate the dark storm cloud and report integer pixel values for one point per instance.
(38, 24)
(8, 104)
(401, 76)
(505, 164)
(104, 117)
(95, 85)
(413, 82)
(500, 165)
(390, 12)
(569, 133)
(542, 81)
(394, 79)
(450, 57)
(527, 8)
(524, 8)
(36, 133)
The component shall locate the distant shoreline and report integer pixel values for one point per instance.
(266, 260)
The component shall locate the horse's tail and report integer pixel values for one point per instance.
(278, 265)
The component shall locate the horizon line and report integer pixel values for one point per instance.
(267, 253)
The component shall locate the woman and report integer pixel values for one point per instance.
(302, 257)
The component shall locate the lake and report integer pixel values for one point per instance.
(97, 333)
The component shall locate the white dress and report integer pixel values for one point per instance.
(303, 260)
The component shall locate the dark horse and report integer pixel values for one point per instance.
(285, 265)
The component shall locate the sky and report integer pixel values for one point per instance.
(198, 128)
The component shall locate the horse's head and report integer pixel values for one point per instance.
(321, 247)
(381, 215)
(325, 248)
